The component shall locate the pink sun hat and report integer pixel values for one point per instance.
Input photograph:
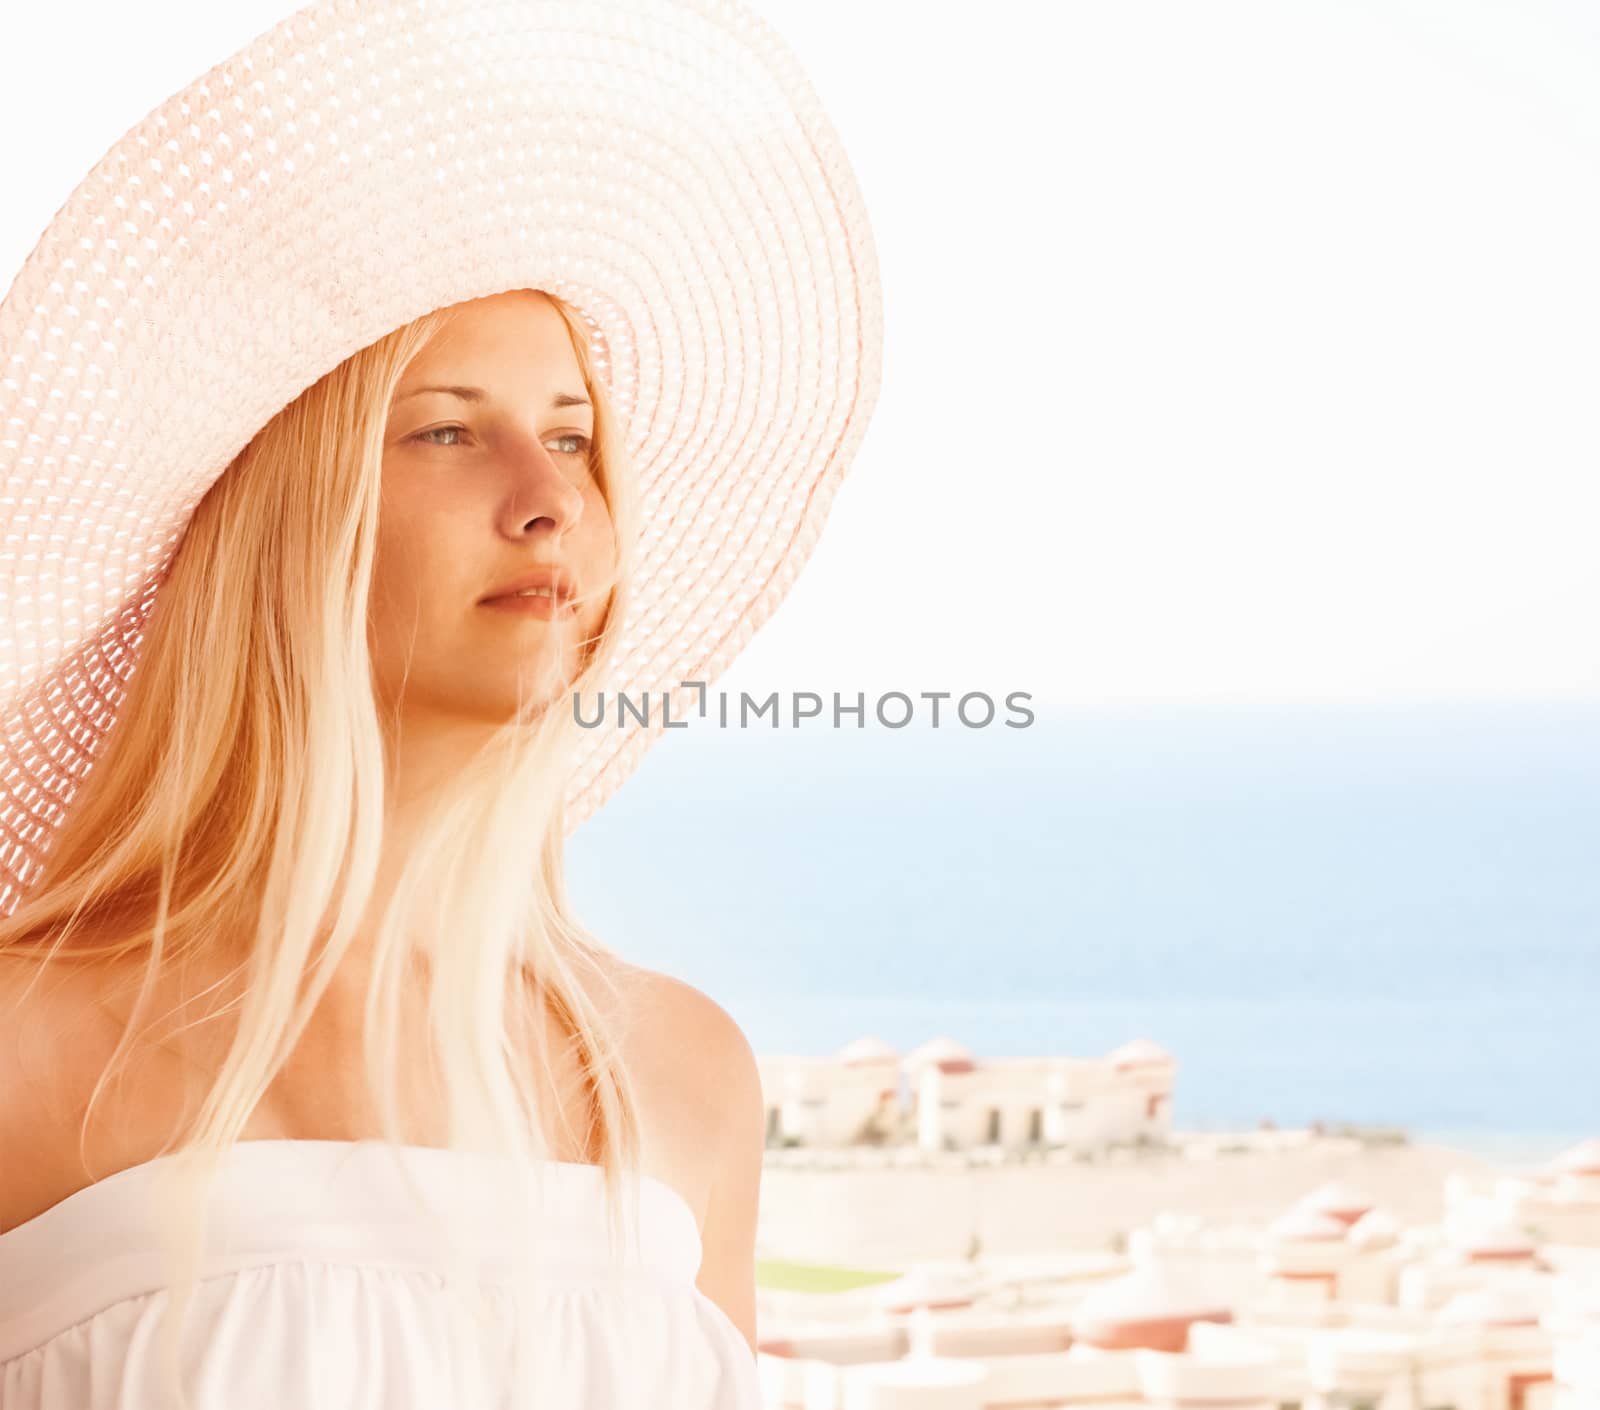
(662, 165)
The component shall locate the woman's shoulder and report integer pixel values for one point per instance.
(697, 1073)
(687, 1021)
(721, 1110)
(50, 1037)
(43, 1008)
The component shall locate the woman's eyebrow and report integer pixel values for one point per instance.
(478, 394)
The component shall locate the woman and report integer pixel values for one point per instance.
(314, 1090)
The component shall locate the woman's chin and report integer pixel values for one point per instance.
(538, 698)
(492, 704)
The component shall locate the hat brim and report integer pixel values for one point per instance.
(663, 165)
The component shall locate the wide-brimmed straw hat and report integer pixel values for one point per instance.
(662, 165)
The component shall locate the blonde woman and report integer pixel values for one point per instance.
(330, 486)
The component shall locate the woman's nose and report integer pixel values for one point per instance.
(544, 491)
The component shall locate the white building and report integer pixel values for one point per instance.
(1333, 1305)
(940, 1096)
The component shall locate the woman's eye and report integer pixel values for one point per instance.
(580, 443)
(438, 430)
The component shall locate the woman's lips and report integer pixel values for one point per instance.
(546, 608)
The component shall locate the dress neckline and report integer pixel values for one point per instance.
(286, 1200)
(143, 1168)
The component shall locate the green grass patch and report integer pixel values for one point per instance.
(780, 1275)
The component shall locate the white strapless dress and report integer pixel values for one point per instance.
(323, 1288)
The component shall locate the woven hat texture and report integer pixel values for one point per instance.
(663, 165)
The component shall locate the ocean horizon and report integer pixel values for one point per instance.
(1382, 915)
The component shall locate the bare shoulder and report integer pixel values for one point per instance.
(41, 1009)
(705, 1036)
(697, 1071)
(719, 1081)
(712, 1064)
(717, 1063)
(50, 1042)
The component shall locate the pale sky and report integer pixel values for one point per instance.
(1235, 351)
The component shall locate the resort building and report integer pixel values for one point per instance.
(942, 1097)
(1334, 1303)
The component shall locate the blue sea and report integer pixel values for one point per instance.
(1383, 915)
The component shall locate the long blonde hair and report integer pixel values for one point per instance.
(242, 793)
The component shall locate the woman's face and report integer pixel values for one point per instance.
(484, 485)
